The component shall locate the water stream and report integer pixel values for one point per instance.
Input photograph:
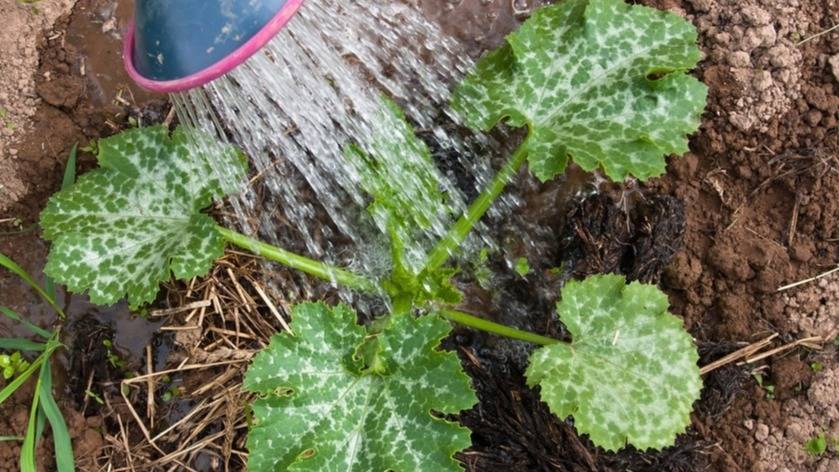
(296, 105)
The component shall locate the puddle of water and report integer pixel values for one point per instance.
(132, 333)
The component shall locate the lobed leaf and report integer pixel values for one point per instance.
(126, 227)
(397, 170)
(630, 375)
(598, 81)
(337, 397)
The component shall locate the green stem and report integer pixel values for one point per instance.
(295, 261)
(495, 328)
(458, 233)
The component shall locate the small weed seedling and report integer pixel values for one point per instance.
(818, 445)
(767, 387)
(598, 82)
(522, 267)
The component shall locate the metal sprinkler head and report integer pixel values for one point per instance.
(176, 45)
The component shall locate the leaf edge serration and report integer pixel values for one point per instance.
(401, 329)
(536, 374)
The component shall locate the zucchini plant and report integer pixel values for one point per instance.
(598, 82)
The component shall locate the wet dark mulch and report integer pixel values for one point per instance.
(631, 233)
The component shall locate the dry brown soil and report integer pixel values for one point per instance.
(760, 202)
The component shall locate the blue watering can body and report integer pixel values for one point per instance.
(176, 45)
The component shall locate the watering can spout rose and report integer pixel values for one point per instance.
(177, 45)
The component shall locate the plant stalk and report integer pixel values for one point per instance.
(495, 328)
(312, 267)
(459, 232)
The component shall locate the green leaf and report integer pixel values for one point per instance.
(60, 434)
(396, 168)
(20, 344)
(27, 449)
(335, 397)
(630, 375)
(598, 81)
(522, 267)
(816, 446)
(70, 169)
(126, 227)
(15, 384)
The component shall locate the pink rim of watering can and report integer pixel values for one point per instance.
(177, 45)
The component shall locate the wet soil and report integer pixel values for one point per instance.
(79, 93)
(750, 209)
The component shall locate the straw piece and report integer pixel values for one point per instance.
(272, 308)
(738, 354)
(811, 279)
(813, 342)
(180, 309)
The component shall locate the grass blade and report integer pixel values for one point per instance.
(20, 344)
(60, 435)
(31, 327)
(70, 169)
(18, 270)
(27, 450)
(49, 288)
(40, 424)
(10, 438)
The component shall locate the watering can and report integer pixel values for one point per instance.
(176, 45)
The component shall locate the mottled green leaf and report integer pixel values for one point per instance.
(630, 374)
(396, 169)
(597, 80)
(337, 398)
(126, 227)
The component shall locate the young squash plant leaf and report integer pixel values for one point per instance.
(337, 397)
(630, 375)
(127, 226)
(599, 81)
(409, 202)
(397, 170)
